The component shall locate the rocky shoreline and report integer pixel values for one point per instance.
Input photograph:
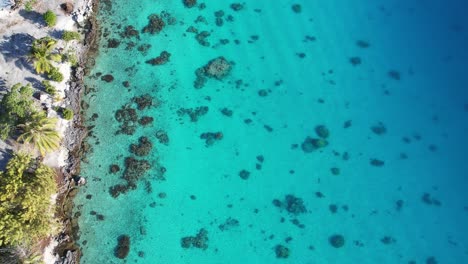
(67, 250)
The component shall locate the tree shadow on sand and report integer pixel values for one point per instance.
(16, 48)
(33, 16)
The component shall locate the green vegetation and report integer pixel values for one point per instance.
(40, 132)
(71, 57)
(15, 108)
(55, 75)
(25, 207)
(70, 35)
(49, 88)
(28, 6)
(67, 113)
(41, 54)
(50, 18)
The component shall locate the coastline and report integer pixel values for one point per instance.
(61, 247)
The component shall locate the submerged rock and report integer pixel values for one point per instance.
(281, 251)
(190, 3)
(218, 68)
(162, 137)
(143, 101)
(123, 247)
(155, 24)
(336, 241)
(107, 78)
(199, 241)
(292, 204)
(194, 113)
(163, 58)
(143, 148)
(312, 144)
(211, 137)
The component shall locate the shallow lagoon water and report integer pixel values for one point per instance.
(385, 78)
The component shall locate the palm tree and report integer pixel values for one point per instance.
(41, 54)
(40, 132)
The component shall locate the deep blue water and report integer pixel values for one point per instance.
(248, 172)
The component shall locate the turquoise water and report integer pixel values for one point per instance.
(386, 78)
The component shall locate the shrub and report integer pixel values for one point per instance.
(28, 6)
(50, 18)
(49, 88)
(67, 113)
(70, 35)
(55, 75)
(71, 58)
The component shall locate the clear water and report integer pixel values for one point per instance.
(381, 211)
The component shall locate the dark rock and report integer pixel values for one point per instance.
(114, 168)
(143, 48)
(379, 129)
(243, 174)
(155, 24)
(217, 68)
(296, 8)
(355, 61)
(135, 169)
(336, 241)
(163, 58)
(311, 144)
(130, 32)
(193, 113)
(431, 260)
(294, 205)
(123, 247)
(144, 101)
(281, 251)
(237, 6)
(128, 118)
(226, 112)
(347, 124)
(143, 148)
(333, 208)
(377, 163)
(335, 171)
(67, 8)
(262, 92)
(322, 131)
(146, 120)
(228, 224)
(107, 78)
(118, 189)
(362, 44)
(113, 43)
(202, 38)
(126, 84)
(211, 137)
(198, 241)
(162, 137)
(387, 240)
(190, 3)
(395, 75)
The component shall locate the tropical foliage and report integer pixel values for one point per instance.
(70, 35)
(25, 207)
(55, 75)
(16, 107)
(49, 88)
(67, 113)
(40, 132)
(41, 54)
(50, 18)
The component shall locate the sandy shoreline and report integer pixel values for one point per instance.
(17, 30)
